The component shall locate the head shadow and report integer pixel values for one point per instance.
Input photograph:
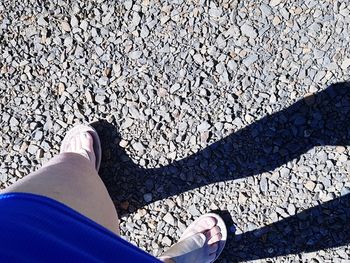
(320, 119)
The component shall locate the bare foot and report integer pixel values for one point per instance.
(199, 243)
(81, 143)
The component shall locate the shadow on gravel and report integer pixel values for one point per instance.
(322, 119)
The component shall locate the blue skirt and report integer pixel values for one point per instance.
(35, 228)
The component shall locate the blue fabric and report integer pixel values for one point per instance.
(35, 228)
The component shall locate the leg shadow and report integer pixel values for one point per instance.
(320, 119)
(321, 227)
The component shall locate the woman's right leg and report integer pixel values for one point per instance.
(71, 178)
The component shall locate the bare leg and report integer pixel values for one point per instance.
(71, 178)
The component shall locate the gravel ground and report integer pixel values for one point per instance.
(201, 105)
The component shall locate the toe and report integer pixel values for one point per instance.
(205, 224)
(212, 232)
(215, 239)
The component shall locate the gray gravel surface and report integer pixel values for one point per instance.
(202, 106)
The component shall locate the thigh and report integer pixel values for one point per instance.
(71, 179)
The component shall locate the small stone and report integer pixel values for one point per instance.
(204, 136)
(128, 4)
(39, 153)
(198, 58)
(72, 88)
(65, 26)
(103, 81)
(74, 21)
(345, 191)
(44, 62)
(100, 99)
(161, 92)
(38, 135)
(343, 158)
(204, 126)
(250, 60)
(138, 147)
(32, 149)
(147, 197)
(24, 147)
(14, 122)
(42, 21)
(346, 63)
(164, 19)
(263, 184)
(310, 185)
(123, 143)
(174, 88)
(284, 172)
(242, 198)
(193, 211)
(135, 54)
(144, 32)
(168, 218)
(291, 209)
(276, 20)
(215, 12)
(340, 149)
(136, 19)
(88, 96)
(61, 88)
(127, 123)
(249, 31)
(275, 2)
(166, 241)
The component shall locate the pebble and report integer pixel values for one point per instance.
(42, 21)
(169, 219)
(250, 60)
(204, 126)
(32, 149)
(65, 26)
(249, 31)
(275, 2)
(174, 88)
(346, 63)
(128, 4)
(193, 211)
(291, 209)
(14, 122)
(166, 241)
(310, 185)
(100, 99)
(138, 146)
(24, 147)
(263, 184)
(147, 197)
(127, 123)
(135, 54)
(144, 32)
(285, 172)
(198, 59)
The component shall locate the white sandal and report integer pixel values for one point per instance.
(190, 249)
(81, 128)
